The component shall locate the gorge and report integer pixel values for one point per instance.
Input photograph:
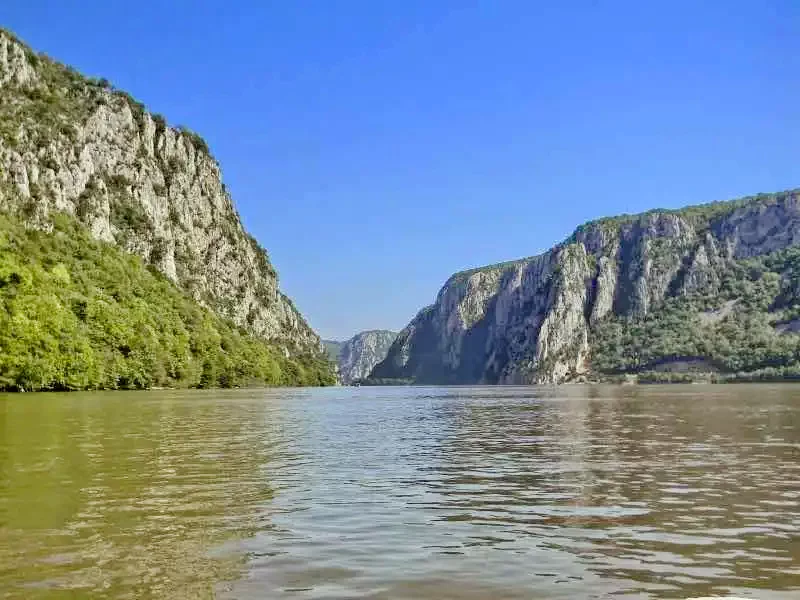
(709, 291)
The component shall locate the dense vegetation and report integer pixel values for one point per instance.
(740, 328)
(700, 216)
(82, 314)
(62, 98)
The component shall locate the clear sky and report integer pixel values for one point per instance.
(375, 147)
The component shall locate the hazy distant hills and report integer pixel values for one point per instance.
(357, 356)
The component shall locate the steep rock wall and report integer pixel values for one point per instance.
(530, 321)
(73, 144)
(362, 352)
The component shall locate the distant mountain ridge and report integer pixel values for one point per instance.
(356, 357)
(664, 295)
(332, 349)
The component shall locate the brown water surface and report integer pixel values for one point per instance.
(402, 493)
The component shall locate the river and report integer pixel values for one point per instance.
(402, 493)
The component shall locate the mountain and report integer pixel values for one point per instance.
(332, 349)
(710, 291)
(76, 146)
(356, 357)
(79, 313)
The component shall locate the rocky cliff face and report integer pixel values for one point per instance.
(531, 321)
(358, 355)
(332, 349)
(72, 144)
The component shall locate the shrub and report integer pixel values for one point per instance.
(99, 318)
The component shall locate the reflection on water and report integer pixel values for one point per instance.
(126, 495)
(574, 492)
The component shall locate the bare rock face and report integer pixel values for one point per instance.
(358, 355)
(71, 144)
(530, 321)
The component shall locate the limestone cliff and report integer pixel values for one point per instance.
(358, 355)
(534, 320)
(332, 349)
(77, 145)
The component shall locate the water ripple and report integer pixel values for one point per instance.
(476, 493)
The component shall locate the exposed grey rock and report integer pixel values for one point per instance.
(760, 228)
(358, 355)
(530, 321)
(332, 349)
(74, 145)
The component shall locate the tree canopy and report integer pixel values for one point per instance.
(81, 314)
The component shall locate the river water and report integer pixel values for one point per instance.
(402, 493)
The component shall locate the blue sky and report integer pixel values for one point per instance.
(374, 147)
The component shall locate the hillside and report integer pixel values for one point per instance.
(708, 292)
(362, 352)
(76, 147)
(78, 313)
(332, 349)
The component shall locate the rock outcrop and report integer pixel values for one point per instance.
(77, 145)
(357, 356)
(531, 320)
(332, 349)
